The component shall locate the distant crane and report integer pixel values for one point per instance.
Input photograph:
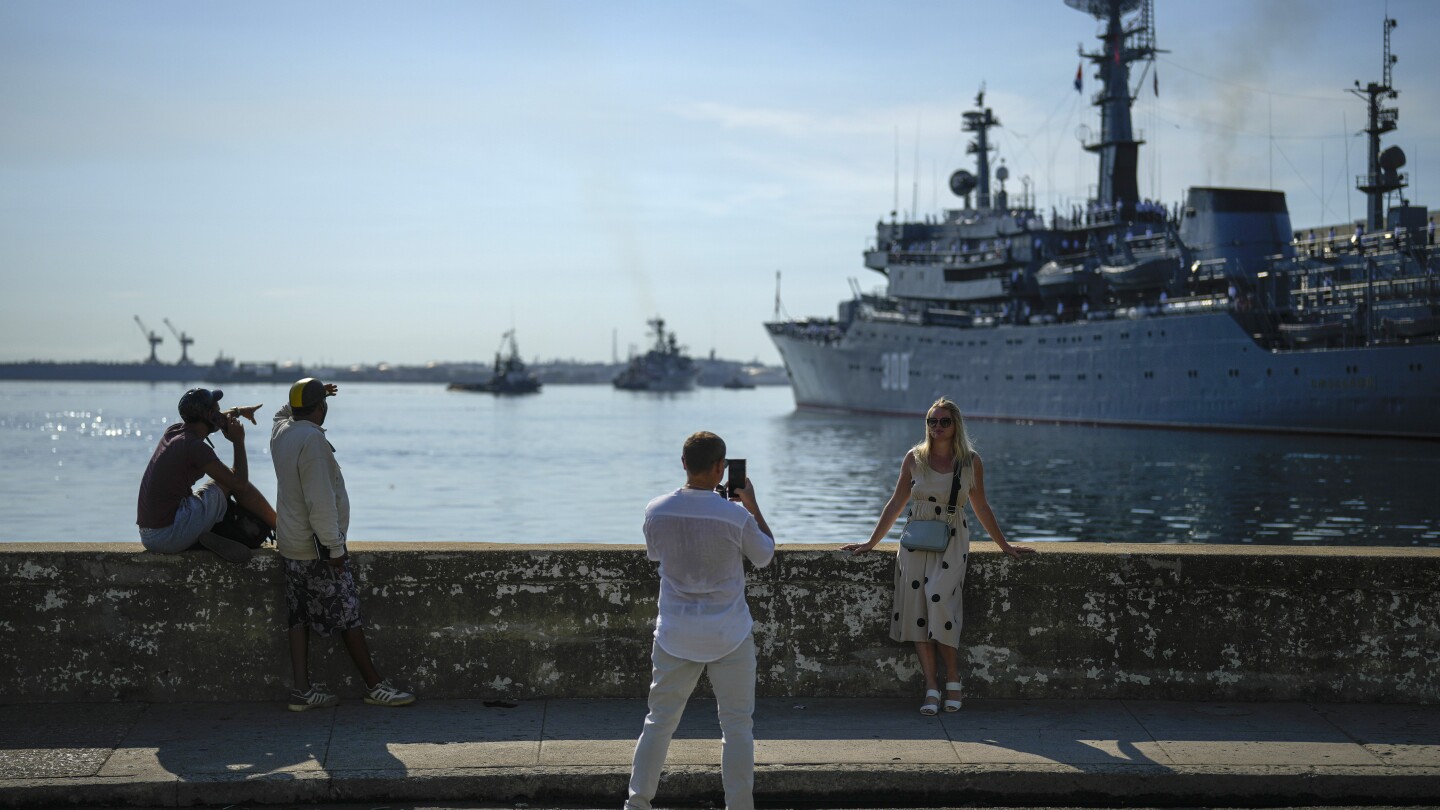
(185, 341)
(153, 337)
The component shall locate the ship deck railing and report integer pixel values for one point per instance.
(892, 316)
(951, 258)
(1408, 290)
(1107, 219)
(1353, 266)
(1189, 305)
(1400, 240)
(1151, 241)
(816, 331)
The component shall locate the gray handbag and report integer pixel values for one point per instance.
(932, 535)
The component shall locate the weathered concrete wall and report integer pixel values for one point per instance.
(100, 622)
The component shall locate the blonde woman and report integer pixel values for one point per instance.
(929, 584)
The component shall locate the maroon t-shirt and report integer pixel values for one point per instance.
(179, 462)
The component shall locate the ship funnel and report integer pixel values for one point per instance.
(1242, 226)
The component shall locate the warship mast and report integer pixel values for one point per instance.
(979, 121)
(1117, 147)
(1384, 176)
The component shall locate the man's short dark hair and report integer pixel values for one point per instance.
(303, 412)
(703, 450)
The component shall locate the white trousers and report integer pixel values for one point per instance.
(673, 679)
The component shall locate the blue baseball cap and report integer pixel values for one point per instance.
(197, 404)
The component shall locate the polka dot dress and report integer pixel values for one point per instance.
(928, 584)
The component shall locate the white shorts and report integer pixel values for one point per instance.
(195, 516)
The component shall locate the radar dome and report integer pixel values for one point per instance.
(962, 183)
(1100, 9)
(1392, 158)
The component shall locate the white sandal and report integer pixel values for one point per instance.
(952, 705)
(931, 709)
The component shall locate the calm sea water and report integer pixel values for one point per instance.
(578, 464)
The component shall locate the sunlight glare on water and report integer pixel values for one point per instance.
(579, 463)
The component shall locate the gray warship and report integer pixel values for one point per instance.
(665, 367)
(1211, 314)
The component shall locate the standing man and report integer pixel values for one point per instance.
(171, 517)
(314, 515)
(701, 541)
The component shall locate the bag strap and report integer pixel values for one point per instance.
(954, 489)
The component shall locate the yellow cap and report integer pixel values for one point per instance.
(307, 392)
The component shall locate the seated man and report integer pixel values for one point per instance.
(171, 517)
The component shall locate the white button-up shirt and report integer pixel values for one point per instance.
(701, 541)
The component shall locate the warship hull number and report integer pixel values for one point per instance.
(895, 371)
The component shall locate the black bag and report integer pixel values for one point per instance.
(243, 526)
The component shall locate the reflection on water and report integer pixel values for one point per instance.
(836, 472)
(578, 463)
(1062, 482)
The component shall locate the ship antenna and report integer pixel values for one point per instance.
(915, 182)
(896, 207)
(1383, 169)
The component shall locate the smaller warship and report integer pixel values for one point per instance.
(510, 375)
(665, 367)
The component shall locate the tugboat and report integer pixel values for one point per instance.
(664, 368)
(1212, 313)
(510, 375)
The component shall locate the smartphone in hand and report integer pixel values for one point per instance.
(736, 474)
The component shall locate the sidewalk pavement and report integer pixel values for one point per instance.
(809, 751)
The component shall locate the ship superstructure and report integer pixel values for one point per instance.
(665, 367)
(1209, 314)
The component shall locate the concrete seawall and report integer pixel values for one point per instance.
(103, 622)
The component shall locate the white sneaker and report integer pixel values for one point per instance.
(314, 698)
(383, 694)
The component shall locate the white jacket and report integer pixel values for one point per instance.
(311, 500)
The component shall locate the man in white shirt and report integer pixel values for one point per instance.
(701, 541)
(313, 518)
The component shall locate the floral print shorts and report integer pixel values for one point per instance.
(320, 597)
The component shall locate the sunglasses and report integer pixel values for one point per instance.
(943, 421)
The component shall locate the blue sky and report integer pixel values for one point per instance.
(361, 182)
